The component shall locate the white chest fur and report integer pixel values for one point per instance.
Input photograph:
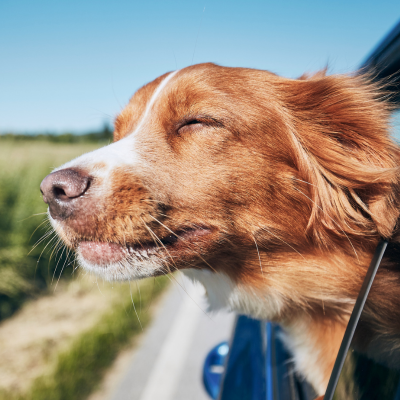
(223, 293)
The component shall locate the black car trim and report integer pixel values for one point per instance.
(355, 316)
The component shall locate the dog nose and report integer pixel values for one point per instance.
(61, 189)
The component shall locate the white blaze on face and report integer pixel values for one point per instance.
(100, 164)
(123, 152)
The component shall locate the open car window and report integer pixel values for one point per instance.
(368, 364)
(363, 378)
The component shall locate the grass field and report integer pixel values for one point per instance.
(23, 165)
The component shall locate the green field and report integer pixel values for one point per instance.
(23, 165)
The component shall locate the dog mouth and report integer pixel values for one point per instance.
(106, 253)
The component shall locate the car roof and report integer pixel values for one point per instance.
(384, 62)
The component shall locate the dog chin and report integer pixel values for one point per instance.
(124, 270)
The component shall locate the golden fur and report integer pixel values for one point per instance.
(285, 186)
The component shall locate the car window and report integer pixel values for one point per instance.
(371, 370)
(363, 378)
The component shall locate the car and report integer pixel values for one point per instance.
(255, 365)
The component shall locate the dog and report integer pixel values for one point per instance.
(271, 192)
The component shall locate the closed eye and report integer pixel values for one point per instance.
(192, 122)
(191, 126)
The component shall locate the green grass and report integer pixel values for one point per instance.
(80, 368)
(23, 165)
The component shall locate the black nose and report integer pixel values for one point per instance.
(62, 189)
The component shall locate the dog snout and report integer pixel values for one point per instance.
(62, 189)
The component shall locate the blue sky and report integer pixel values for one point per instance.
(71, 65)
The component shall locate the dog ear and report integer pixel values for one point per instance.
(339, 128)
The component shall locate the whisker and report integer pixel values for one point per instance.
(43, 222)
(44, 237)
(56, 249)
(156, 240)
(259, 258)
(140, 296)
(33, 215)
(62, 269)
(40, 256)
(58, 261)
(162, 244)
(133, 304)
(172, 276)
(77, 266)
(98, 287)
(265, 229)
(74, 260)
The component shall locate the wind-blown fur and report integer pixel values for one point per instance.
(271, 191)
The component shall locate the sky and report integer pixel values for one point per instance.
(71, 66)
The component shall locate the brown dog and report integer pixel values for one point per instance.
(272, 192)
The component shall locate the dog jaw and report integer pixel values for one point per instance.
(124, 266)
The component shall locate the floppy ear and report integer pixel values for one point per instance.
(339, 127)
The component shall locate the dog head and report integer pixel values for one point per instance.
(235, 171)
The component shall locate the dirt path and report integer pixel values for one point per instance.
(32, 338)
